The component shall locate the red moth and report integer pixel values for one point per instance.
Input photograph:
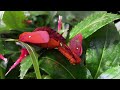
(52, 40)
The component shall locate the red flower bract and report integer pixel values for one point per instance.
(59, 23)
(23, 54)
(3, 58)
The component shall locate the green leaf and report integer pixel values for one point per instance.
(14, 19)
(30, 75)
(112, 73)
(24, 66)
(104, 50)
(34, 58)
(57, 71)
(93, 23)
(58, 67)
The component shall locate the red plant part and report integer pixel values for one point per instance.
(55, 41)
(28, 22)
(76, 44)
(23, 54)
(59, 23)
(3, 58)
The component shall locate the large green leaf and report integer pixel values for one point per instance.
(112, 73)
(25, 65)
(34, 58)
(104, 50)
(58, 67)
(93, 23)
(14, 19)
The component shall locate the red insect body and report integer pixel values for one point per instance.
(52, 33)
(55, 41)
(55, 38)
(35, 37)
(72, 57)
(51, 44)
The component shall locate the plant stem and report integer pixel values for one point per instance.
(36, 68)
(2, 76)
(34, 59)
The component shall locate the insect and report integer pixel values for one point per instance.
(46, 37)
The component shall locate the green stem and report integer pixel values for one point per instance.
(2, 76)
(34, 60)
(36, 68)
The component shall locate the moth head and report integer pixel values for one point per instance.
(34, 37)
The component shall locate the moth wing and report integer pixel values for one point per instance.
(76, 44)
